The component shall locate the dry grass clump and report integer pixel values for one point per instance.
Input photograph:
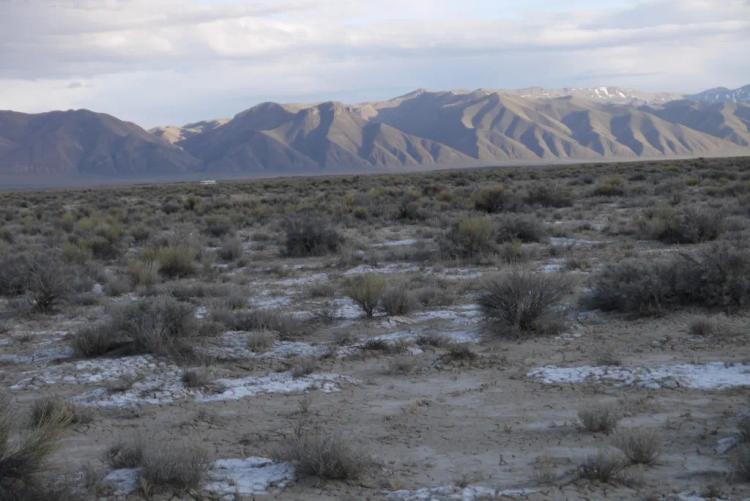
(402, 366)
(260, 341)
(523, 303)
(640, 446)
(460, 352)
(179, 466)
(285, 325)
(54, 411)
(126, 453)
(23, 454)
(323, 455)
(599, 418)
(304, 366)
(601, 467)
(366, 291)
(310, 236)
(196, 377)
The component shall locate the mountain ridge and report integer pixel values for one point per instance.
(420, 129)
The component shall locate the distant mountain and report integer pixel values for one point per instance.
(723, 95)
(422, 129)
(83, 143)
(173, 134)
(458, 128)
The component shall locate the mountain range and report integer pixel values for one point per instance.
(422, 129)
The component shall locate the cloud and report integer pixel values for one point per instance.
(151, 58)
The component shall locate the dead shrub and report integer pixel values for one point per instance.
(398, 300)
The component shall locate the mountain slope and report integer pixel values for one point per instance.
(421, 129)
(83, 143)
(723, 95)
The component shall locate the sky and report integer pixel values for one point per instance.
(160, 62)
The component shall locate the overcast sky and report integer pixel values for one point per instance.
(158, 62)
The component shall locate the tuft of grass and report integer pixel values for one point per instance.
(196, 377)
(602, 467)
(366, 291)
(523, 302)
(179, 466)
(23, 458)
(52, 411)
(323, 455)
(304, 366)
(599, 418)
(126, 453)
(460, 351)
(640, 446)
(260, 341)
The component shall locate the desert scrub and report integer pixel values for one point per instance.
(366, 291)
(310, 236)
(599, 418)
(686, 226)
(173, 261)
(159, 325)
(173, 466)
(523, 303)
(717, 277)
(260, 341)
(548, 196)
(524, 228)
(493, 199)
(398, 300)
(324, 455)
(469, 238)
(44, 280)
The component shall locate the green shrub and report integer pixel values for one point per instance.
(469, 238)
(366, 290)
(175, 262)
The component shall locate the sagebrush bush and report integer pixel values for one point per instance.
(230, 250)
(44, 279)
(310, 236)
(398, 300)
(493, 199)
(366, 291)
(524, 228)
(158, 325)
(718, 277)
(549, 196)
(469, 238)
(523, 302)
(323, 455)
(686, 226)
(174, 261)
(260, 341)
